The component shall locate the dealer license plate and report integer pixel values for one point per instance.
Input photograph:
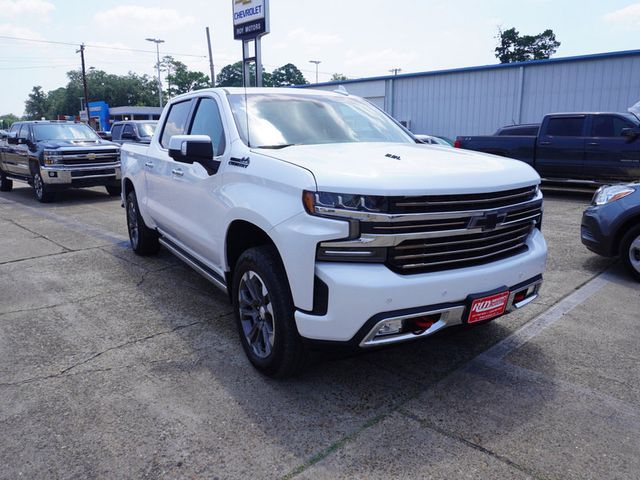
(486, 308)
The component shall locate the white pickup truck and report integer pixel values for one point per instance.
(326, 222)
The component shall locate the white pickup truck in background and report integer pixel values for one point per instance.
(325, 221)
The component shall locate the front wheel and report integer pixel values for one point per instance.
(144, 241)
(263, 309)
(630, 251)
(5, 184)
(43, 194)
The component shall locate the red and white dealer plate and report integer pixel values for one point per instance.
(486, 308)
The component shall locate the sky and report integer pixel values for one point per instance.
(358, 38)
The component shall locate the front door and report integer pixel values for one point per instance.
(610, 156)
(560, 148)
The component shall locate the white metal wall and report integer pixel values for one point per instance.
(478, 101)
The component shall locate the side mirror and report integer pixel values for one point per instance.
(128, 136)
(23, 141)
(630, 133)
(11, 140)
(194, 148)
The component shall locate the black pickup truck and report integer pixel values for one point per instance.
(54, 155)
(585, 147)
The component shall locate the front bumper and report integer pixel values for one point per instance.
(81, 175)
(361, 295)
(598, 228)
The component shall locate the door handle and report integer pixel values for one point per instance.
(545, 143)
(177, 172)
(593, 144)
(148, 164)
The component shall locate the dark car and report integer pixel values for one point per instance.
(138, 131)
(611, 225)
(596, 148)
(53, 155)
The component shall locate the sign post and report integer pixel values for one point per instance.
(250, 23)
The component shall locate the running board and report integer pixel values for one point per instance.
(196, 264)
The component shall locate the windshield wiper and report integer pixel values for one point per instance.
(277, 147)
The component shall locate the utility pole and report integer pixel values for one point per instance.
(213, 75)
(157, 41)
(317, 62)
(395, 71)
(84, 83)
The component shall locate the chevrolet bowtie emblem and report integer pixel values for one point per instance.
(91, 156)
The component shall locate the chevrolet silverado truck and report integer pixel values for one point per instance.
(55, 155)
(325, 222)
(597, 148)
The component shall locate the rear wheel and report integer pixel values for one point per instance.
(144, 241)
(630, 251)
(263, 309)
(113, 190)
(43, 194)
(5, 184)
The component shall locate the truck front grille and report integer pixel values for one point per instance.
(89, 157)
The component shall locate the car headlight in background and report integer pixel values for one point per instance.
(611, 193)
(51, 157)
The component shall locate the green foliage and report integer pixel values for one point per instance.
(36, 106)
(336, 77)
(7, 119)
(287, 75)
(516, 48)
(230, 76)
(182, 80)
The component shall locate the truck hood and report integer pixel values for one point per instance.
(405, 169)
(79, 144)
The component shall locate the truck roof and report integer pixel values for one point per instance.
(263, 90)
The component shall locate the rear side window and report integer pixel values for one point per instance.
(608, 126)
(565, 127)
(116, 132)
(24, 132)
(207, 121)
(176, 122)
(525, 131)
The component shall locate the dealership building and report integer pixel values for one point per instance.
(479, 100)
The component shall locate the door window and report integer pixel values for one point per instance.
(608, 126)
(116, 131)
(207, 121)
(128, 128)
(176, 122)
(24, 132)
(565, 127)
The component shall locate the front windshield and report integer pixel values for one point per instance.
(63, 131)
(147, 129)
(278, 120)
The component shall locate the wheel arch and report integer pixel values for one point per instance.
(628, 224)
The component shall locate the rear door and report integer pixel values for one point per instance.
(560, 147)
(10, 157)
(23, 150)
(610, 156)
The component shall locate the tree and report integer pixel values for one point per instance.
(516, 48)
(36, 105)
(7, 120)
(287, 75)
(182, 80)
(230, 76)
(336, 77)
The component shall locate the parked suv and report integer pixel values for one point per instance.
(326, 222)
(139, 131)
(54, 155)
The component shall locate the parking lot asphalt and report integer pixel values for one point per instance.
(116, 366)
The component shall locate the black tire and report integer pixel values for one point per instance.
(43, 193)
(6, 185)
(144, 241)
(114, 190)
(630, 251)
(284, 357)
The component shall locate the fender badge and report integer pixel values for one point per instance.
(239, 162)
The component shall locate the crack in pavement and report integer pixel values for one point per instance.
(65, 371)
(64, 304)
(38, 234)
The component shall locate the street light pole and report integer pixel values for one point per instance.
(395, 71)
(157, 41)
(317, 62)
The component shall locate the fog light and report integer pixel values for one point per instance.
(520, 296)
(390, 328)
(53, 174)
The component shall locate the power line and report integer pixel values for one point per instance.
(52, 42)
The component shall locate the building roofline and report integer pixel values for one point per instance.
(593, 56)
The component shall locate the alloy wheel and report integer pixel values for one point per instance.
(132, 223)
(634, 254)
(256, 314)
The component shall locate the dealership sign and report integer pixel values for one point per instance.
(250, 19)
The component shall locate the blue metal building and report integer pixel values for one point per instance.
(479, 100)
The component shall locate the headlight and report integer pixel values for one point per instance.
(51, 157)
(346, 205)
(611, 193)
